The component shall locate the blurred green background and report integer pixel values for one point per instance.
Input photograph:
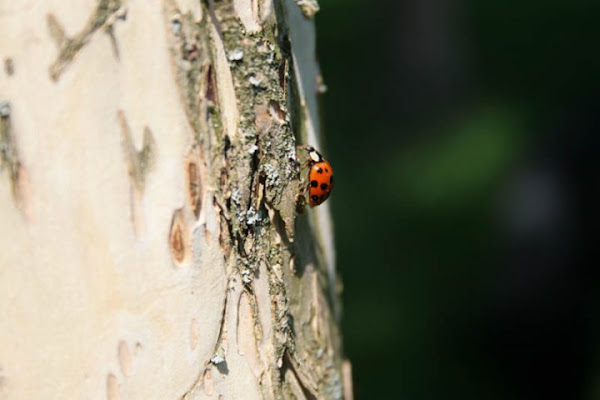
(464, 136)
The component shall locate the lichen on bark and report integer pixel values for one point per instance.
(182, 123)
(254, 172)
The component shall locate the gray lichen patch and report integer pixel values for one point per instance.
(10, 160)
(107, 12)
(266, 141)
(8, 148)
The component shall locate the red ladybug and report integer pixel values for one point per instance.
(320, 177)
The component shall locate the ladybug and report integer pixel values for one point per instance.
(320, 177)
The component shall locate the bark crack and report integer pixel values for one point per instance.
(307, 382)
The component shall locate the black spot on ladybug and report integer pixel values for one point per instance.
(326, 169)
(314, 198)
(324, 186)
(314, 183)
(320, 170)
(322, 198)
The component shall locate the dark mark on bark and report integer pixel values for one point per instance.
(107, 12)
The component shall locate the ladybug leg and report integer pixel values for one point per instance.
(300, 203)
(301, 196)
(302, 188)
(305, 147)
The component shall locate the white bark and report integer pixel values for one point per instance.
(149, 245)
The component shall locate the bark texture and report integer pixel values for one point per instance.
(149, 242)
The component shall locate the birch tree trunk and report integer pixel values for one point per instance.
(149, 242)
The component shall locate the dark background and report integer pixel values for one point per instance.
(464, 137)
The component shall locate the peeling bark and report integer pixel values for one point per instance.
(150, 242)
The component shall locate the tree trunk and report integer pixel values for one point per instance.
(150, 246)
